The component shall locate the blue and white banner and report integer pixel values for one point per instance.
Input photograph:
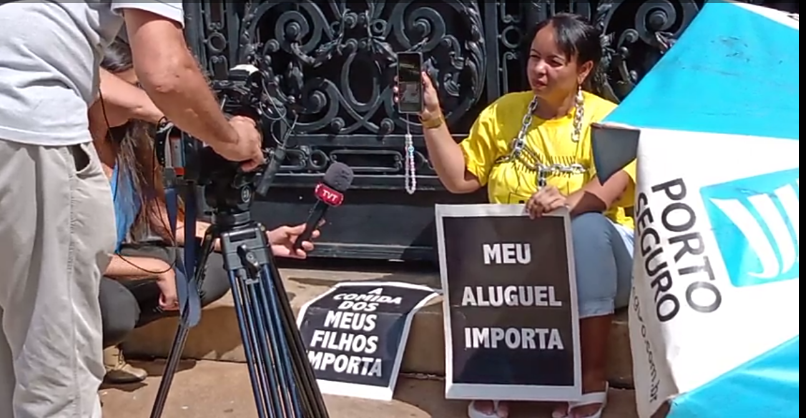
(715, 308)
(714, 320)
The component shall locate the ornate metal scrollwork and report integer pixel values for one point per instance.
(635, 36)
(638, 34)
(338, 58)
(336, 62)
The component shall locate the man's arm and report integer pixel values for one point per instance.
(172, 78)
(134, 101)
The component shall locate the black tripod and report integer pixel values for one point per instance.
(282, 379)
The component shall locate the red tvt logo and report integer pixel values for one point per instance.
(328, 195)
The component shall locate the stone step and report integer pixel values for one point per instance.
(217, 336)
(209, 389)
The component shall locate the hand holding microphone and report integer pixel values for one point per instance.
(283, 241)
(329, 192)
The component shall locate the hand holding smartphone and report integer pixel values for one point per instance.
(409, 82)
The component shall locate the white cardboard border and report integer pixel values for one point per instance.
(366, 391)
(506, 392)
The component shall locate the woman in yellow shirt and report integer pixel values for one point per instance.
(534, 147)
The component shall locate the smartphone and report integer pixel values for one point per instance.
(409, 82)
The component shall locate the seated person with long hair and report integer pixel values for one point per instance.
(140, 283)
(551, 125)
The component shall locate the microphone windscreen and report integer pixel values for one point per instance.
(338, 177)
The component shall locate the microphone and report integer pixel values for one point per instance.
(329, 192)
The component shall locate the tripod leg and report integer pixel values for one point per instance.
(315, 402)
(277, 336)
(293, 357)
(276, 347)
(312, 400)
(182, 330)
(260, 374)
(276, 356)
(306, 388)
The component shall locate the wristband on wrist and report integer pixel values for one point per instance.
(164, 125)
(432, 122)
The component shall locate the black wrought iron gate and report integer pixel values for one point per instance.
(334, 59)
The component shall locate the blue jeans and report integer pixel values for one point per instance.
(603, 254)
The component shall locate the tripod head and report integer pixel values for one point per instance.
(227, 191)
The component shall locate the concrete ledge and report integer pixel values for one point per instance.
(214, 390)
(217, 336)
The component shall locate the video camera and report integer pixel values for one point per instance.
(283, 381)
(223, 186)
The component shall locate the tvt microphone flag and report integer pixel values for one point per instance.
(330, 192)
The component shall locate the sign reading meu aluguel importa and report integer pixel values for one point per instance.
(356, 334)
(509, 303)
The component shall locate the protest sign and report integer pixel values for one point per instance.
(356, 333)
(510, 304)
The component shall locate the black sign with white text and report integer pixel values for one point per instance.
(511, 303)
(356, 333)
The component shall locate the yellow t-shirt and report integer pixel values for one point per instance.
(508, 182)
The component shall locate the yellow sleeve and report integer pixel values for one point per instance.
(627, 199)
(479, 147)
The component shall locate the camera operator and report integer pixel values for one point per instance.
(57, 225)
(139, 286)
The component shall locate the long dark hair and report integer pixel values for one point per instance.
(580, 40)
(133, 143)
